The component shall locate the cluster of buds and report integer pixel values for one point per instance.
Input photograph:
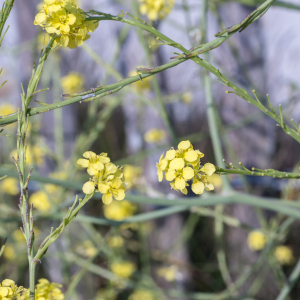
(107, 178)
(66, 20)
(182, 165)
(156, 9)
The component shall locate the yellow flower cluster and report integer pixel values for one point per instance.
(9, 290)
(256, 240)
(123, 268)
(168, 273)
(119, 211)
(67, 21)
(155, 135)
(72, 83)
(284, 255)
(107, 178)
(46, 290)
(132, 175)
(141, 295)
(7, 109)
(183, 165)
(115, 242)
(156, 9)
(9, 186)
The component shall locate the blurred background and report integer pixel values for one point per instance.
(174, 257)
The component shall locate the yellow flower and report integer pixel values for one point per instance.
(141, 295)
(7, 109)
(155, 9)
(40, 201)
(87, 249)
(9, 290)
(119, 211)
(155, 135)
(115, 242)
(94, 163)
(216, 180)
(140, 86)
(112, 189)
(66, 20)
(161, 167)
(284, 255)
(72, 83)
(123, 269)
(9, 186)
(256, 240)
(183, 165)
(168, 273)
(34, 155)
(131, 175)
(187, 97)
(9, 252)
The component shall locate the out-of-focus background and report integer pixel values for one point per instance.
(174, 257)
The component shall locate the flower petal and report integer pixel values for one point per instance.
(119, 194)
(177, 164)
(107, 199)
(188, 173)
(89, 154)
(208, 169)
(170, 154)
(190, 155)
(198, 187)
(179, 183)
(184, 145)
(170, 175)
(103, 188)
(83, 162)
(88, 187)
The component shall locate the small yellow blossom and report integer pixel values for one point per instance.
(155, 135)
(123, 268)
(9, 290)
(119, 211)
(132, 175)
(140, 86)
(115, 242)
(141, 295)
(87, 249)
(156, 9)
(168, 273)
(284, 255)
(72, 83)
(183, 165)
(107, 178)
(256, 240)
(216, 180)
(67, 21)
(7, 109)
(9, 186)
(34, 155)
(40, 201)
(187, 97)
(9, 252)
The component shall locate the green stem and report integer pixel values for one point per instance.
(32, 265)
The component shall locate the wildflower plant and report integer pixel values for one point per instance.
(69, 26)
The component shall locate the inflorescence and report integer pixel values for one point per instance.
(183, 165)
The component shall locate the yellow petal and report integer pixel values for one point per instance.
(209, 186)
(184, 191)
(103, 188)
(92, 171)
(8, 282)
(98, 166)
(119, 194)
(71, 19)
(64, 40)
(184, 145)
(110, 168)
(116, 183)
(40, 18)
(83, 162)
(190, 155)
(160, 174)
(143, 9)
(107, 199)
(89, 154)
(170, 175)
(65, 28)
(198, 187)
(51, 30)
(179, 183)
(4, 292)
(170, 154)
(88, 187)
(187, 173)
(177, 164)
(208, 169)
(163, 164)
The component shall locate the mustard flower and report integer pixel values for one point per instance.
(284, 255)
(168, 273)
(256, 240)
(86, 249)
(34, 155)
(141, 295)
(9, 290)
(182, 165)
(132, 175)
(9, 253)
(66, 20)
(107, 178)
(115, 242)
(9, 186)
(123, 268)
(7, 109)
(72, 83)
(40, 201)
(156, 9)
(187, 97)
(155, 135)
(119, 211)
